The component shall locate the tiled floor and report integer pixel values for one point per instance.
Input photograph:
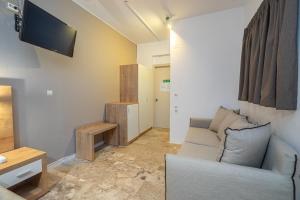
(135, 172)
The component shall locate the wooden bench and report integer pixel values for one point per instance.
(85, 138)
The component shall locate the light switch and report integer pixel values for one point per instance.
(49, 92)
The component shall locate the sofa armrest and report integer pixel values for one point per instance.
(8, 195)
(192, 179)
(200, 122)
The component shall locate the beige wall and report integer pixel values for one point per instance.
(81, 85)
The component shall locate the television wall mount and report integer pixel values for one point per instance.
(17, 15)
(18, 22)
(13, 8)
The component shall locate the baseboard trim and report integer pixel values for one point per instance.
(60, 161)
(70, 157)
(141, 134)
(149, 129)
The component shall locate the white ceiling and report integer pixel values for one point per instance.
(153, 13)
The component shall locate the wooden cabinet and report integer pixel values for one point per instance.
(134, 112)
(129, 83)
(127, 117)
(136, 85)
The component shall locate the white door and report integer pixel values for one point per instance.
(162, 97)
(146, 97)
(132, 121)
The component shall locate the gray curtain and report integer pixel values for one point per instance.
(269, 64)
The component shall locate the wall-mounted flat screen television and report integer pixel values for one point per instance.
(44, 30)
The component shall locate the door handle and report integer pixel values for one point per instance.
(156, 100)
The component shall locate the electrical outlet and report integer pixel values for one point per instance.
(12, 7)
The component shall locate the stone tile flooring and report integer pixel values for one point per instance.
(135, 172)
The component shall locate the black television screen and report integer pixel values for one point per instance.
(44, 30)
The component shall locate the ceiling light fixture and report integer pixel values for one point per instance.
(168, 22)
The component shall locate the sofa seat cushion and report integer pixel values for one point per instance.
(198, 151)
(202, 136)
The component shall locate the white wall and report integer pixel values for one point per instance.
(154, 53)
(250, 9)
(286, 124)
(205, 63)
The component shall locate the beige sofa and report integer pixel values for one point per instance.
(194, 174)
(8, 195)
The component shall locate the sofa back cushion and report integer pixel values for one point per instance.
(280, 157)
(242, 123)
(226, 123)
(246, 146)
(218, 118)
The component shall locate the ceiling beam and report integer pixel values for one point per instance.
(141, 19)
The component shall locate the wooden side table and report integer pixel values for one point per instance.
(25, 172)
(85, 138)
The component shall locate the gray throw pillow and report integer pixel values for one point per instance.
(246, 146)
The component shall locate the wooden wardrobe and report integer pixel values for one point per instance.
(134, 112)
